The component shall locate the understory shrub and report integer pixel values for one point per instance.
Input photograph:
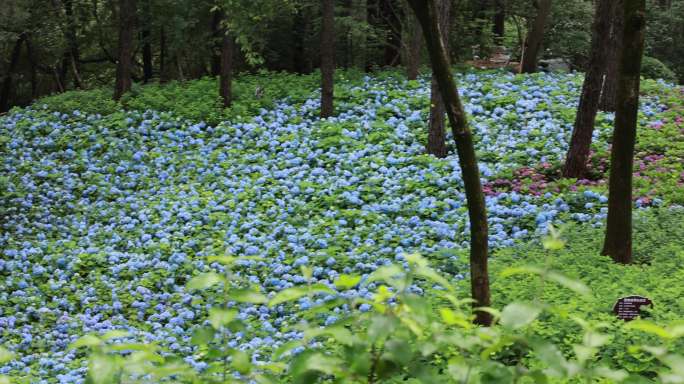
(652, 68)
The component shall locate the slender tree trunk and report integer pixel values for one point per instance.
(146, 34)
(618, 241)
(359, 47)
(6, 90)
(499, 25)
(580, 144)
(609, 91)
(427, 13)
(415, 44)
(535, 38)
(226, 78)
(327, 57)
(34, 73)
(125, 59)
(392, 24)
(216, 44)
(163, 77)
(74, 52)
(436, 143)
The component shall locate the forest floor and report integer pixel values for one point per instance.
(106, 213)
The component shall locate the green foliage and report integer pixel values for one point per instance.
(545, 334)
(652, 68)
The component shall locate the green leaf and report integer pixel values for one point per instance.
(247, 295)
(86, 341)
(295, 293)
(204, 281)
(219, 317)
(5, 355)
(518, 315)
(571, 284)
(385, 273)
(115, 334)
(341, 334)
(241, 362)
(202, 336)
(103, 368)
(347, 281)
(649, 327)
(4, 379)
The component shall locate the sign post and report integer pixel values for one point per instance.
(629, 308)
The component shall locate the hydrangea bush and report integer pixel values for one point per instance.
(105, 218)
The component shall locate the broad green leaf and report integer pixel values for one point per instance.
(247, 296)
(4, 379)
(219, 317)
(202, 336)
(86, 341)
(649, 327)
(286, 347)
(5, 355)
(339, 333)
(115, 334)
(347, 281)
(518, 315)
(432, 275)
(103, 368)
(385, 273)
(241, 362)
(204, 281)
(611, 374)
(571, 284)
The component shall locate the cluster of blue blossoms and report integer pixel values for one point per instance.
(106, 218)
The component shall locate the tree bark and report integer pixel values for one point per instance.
(125, 59)
(499, 25)
(216, 43)
(6, 90)
(580, 144)
(392, 23)
(535, 38)
(226, 78)
(609, 91)
(72, 42)
(163, 77)
(436, 142)
(618, 241)
(146, 35)
(359, 44)
(427, 12)
(327, 57)
(414, 47)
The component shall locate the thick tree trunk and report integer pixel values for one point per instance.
(427, 13)
(327, 57)
(580, 144)
(415, 44)
(436, 143)
(6, 90)
(146, 35)
(217, 41)
(618, 241)
(499, 25)
(226, 78)
(33, 67)
(125, 57)
(535, 38)
(609, 91)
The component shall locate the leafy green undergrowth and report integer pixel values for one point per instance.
(198, 100)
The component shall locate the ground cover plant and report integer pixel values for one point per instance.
(109, 215)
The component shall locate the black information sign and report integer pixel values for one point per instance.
(629, 308)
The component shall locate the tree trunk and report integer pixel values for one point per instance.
(226, 78)
(216, 43)
(392, 23)
(72, 42)
(359, 44)
(436, 144)
(163, 78)
(147, 42)
(125, 59)
(618, 241)
(414, 47)
(535, 38)
(6, 90)
(427, 12)
(33, 67)
(499, 25)
(327, 57)
(580, 144)
(609, 91)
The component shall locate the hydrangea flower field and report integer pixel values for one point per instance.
(106, 218)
